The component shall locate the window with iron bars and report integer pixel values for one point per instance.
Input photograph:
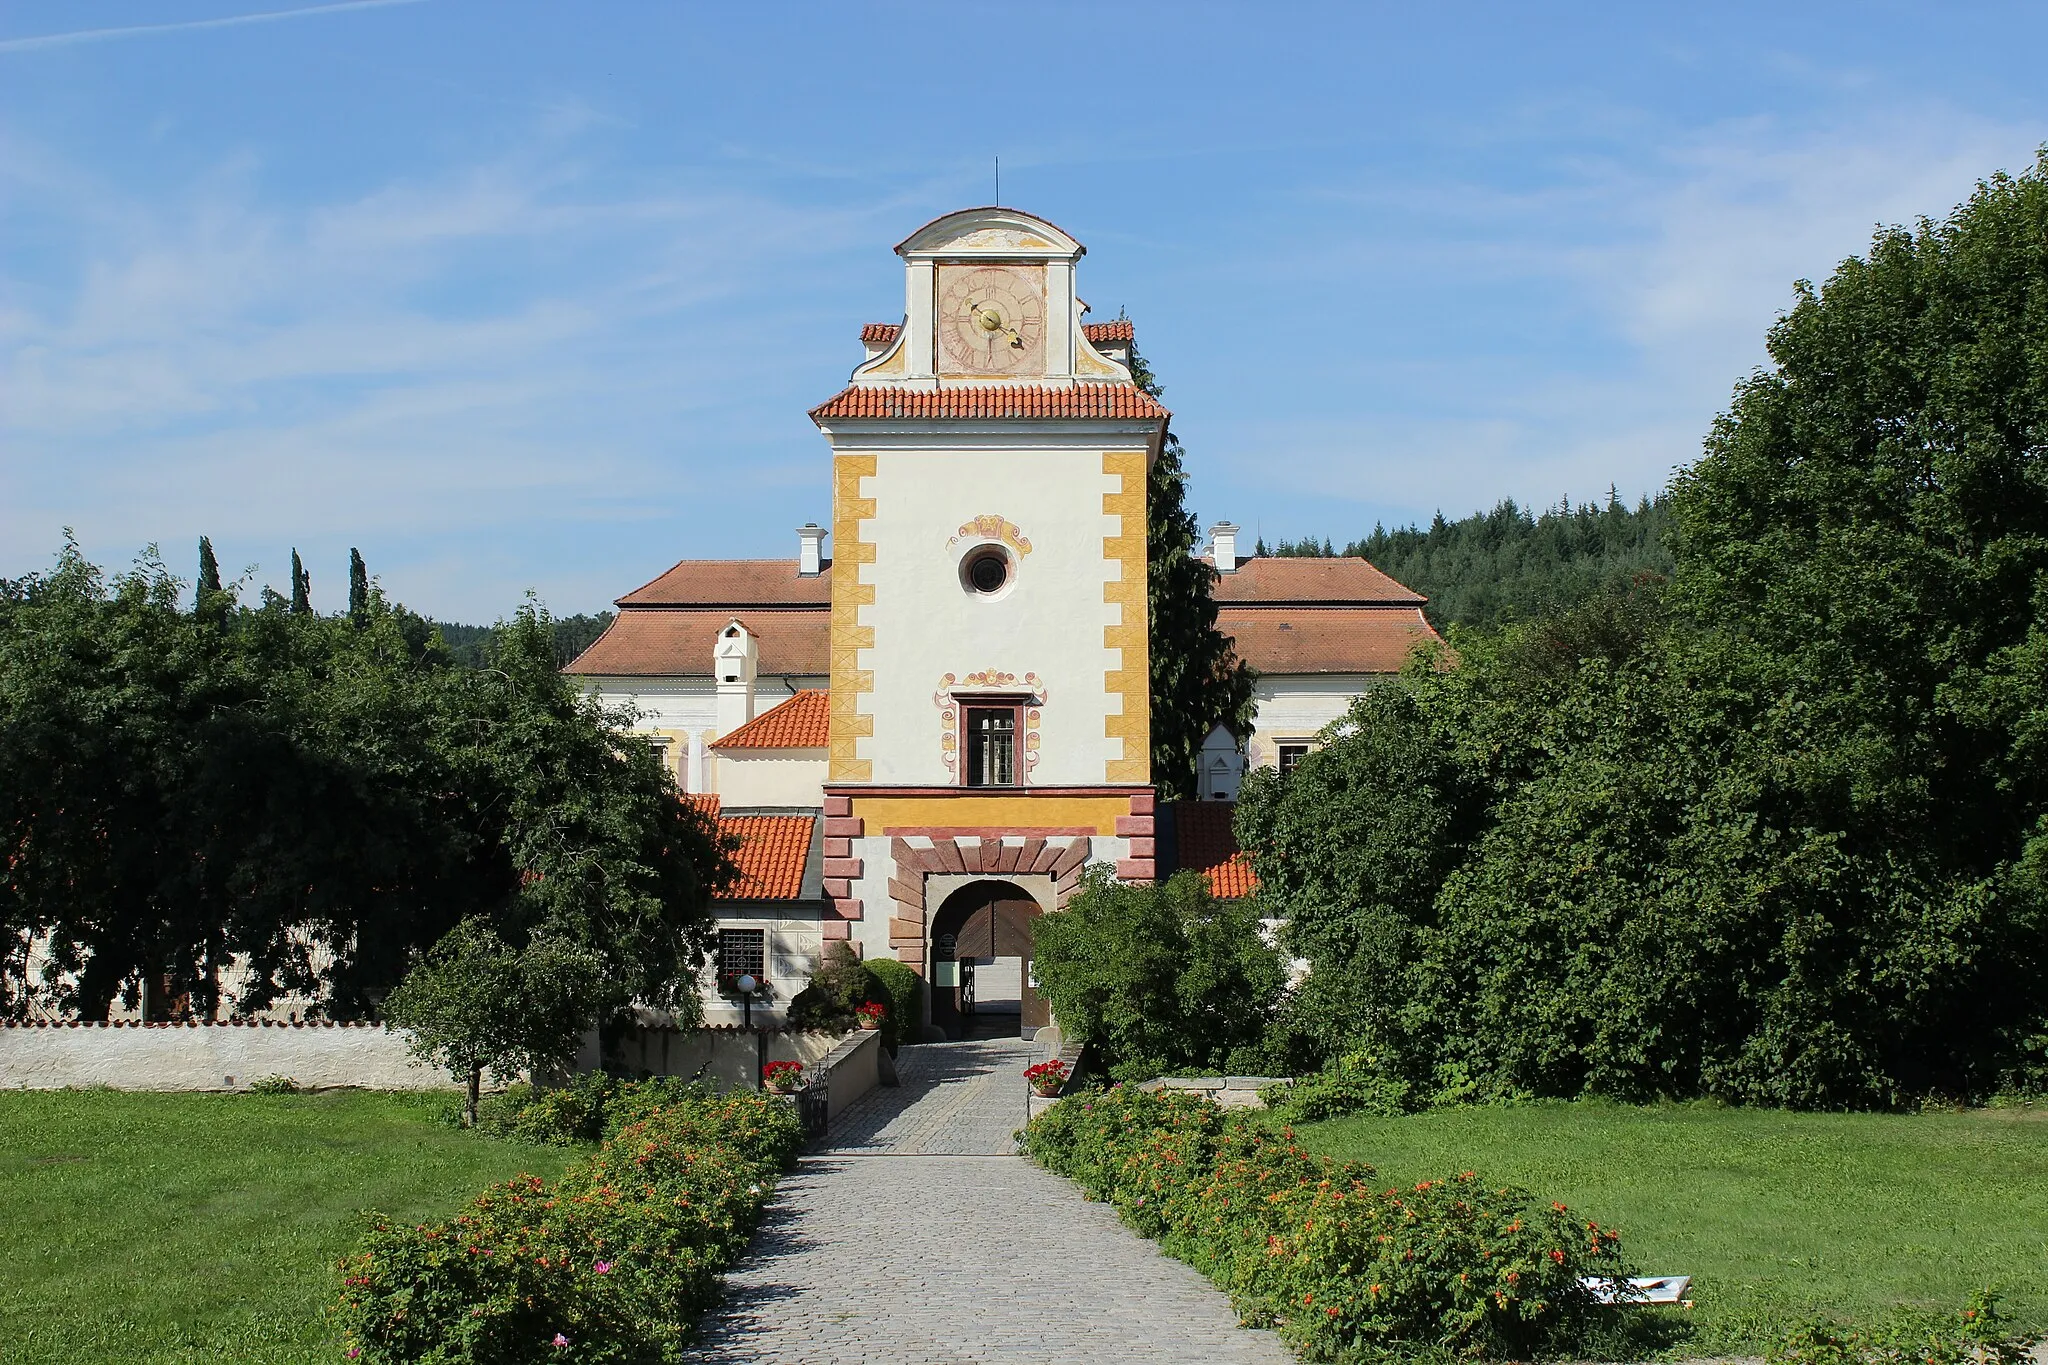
(743, 952)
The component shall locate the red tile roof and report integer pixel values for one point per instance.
(771, 856)
(1208, 845)
(799, 723)
(733, 583)
(1233, 879)
(1286, 578)
(879, 333)
(993, 401)
(1324, 639)
(678, 642)
(705, 803)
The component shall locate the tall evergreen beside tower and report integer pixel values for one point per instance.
(1198, 682)
(358, 586)
(302, 587)
(207, 600)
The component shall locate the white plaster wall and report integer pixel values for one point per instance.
(871, 889)
(794, 945)
(210, 1057)
(769, 777)
(1293, 708)
(1048, 620)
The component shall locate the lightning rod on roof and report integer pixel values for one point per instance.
(999, 182)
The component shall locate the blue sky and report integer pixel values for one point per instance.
(535, 296)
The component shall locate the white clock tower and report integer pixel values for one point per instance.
(990, 686)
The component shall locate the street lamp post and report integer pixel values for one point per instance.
(748, 985)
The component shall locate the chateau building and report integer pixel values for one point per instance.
(923, 731)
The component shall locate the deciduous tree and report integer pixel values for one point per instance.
(474, 1003)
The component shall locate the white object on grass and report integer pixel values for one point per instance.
(1639, 1289)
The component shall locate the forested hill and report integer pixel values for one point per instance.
(573, 635)
(1491, 565)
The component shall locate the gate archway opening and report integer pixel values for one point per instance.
(980, 955)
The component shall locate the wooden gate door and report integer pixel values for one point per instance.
(988, 925)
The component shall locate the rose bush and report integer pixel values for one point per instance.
(1342, 1267)
(618, 1258)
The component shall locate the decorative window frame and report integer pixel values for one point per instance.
(989, 532)
(989, 688)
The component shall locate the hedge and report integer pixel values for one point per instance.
(1344, 1269)
(612, 1265)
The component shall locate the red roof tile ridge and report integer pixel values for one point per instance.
(800, 722)
(750, 582)
(1118, 330)
(1083, 399)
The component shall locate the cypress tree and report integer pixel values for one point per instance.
(302, 587)
(206, 590)
(358, 587)
(1197, 679)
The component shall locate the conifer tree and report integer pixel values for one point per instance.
(1198, 681)
(206, 592)
(302, 587)
(209, 567)
(358, 587)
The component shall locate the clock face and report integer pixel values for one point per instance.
(991, 320)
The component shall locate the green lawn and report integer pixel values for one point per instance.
(1775, 1215)
(156, 1228)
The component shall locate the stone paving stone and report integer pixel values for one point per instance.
(918, 1237)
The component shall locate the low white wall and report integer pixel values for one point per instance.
(852, 1069)
(209, 1057)
(731, 1057)
(319, 1056)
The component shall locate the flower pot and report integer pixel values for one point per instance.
(779, 1087)
(1044, 1091)
(870, 1025)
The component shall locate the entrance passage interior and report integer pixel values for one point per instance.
(981, 963)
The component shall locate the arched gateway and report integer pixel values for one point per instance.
(980, 960)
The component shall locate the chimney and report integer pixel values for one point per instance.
(734, 664)
(1223, 545)
(810, 550)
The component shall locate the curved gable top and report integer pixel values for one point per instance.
(992, 232)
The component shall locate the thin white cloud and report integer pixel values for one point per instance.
(1646, 285)
(209, 360)
(102, 35)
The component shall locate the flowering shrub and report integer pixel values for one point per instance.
(1342, 1267)
(1047, 1077)
(782, 1075)
(1978, 1333)
(588, 1109)
(610, 1266)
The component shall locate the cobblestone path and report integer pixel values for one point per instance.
(918, 1237)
